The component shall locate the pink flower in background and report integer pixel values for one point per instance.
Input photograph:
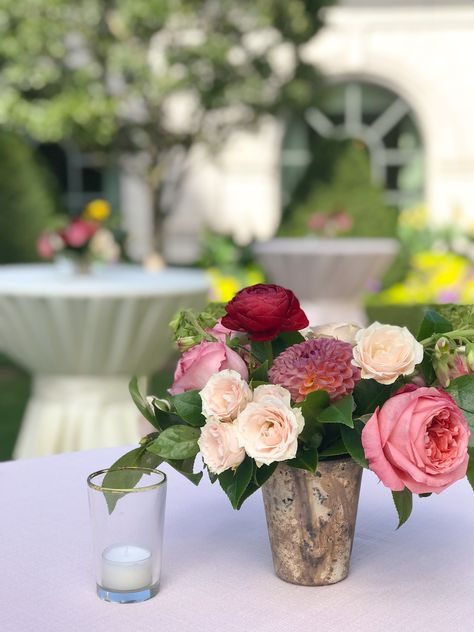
(319, 364)
(78, 233)
(418, 440)
(197, 365)
(317, 222)
(45, 247)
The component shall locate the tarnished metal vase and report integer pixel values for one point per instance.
(311, 520)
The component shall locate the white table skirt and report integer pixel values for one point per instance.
(218, 571)
(83, 338)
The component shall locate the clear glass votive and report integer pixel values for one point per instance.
(127, 508)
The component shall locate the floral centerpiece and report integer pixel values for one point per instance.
(84, 239)
(265, 399)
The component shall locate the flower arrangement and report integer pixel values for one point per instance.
(256, 387)
(87, 238)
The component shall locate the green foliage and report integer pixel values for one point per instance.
(112, 75)
(403, 502)
(127, 479)
(353, 442)
(27, 204)
(470, 467)
(461, 390)
(188, 406)
(351, 191)
(176, 443)
(339, 413)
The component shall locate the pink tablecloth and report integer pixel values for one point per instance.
(218, 572)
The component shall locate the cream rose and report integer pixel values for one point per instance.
(272, 390)
(384, 352)
(341, 331)
(268, 430)
(219, 446)
(225, 395)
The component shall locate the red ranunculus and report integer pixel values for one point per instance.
(263, 311)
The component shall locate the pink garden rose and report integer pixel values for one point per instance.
(418, 440)
(197, 365)
(44, 246)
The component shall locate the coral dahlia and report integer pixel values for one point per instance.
(321, 364)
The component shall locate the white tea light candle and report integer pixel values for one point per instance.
(126, 568)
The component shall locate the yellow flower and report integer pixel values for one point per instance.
(97, 210)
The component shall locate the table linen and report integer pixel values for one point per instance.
(218, 572)
(83, 338)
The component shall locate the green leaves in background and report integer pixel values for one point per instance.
(176, 442)
(403, 502)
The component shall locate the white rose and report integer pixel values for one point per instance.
(345, 332)
(219, 446)
(272, 390)
(225, 395)
(384, 352)
(268, 430)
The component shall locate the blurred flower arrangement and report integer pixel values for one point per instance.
(436, 265)
(93, 236)
(230, 267)
(335, 223)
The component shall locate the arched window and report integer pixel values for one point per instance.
(380, 119)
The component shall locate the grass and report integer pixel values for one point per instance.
(15, 387)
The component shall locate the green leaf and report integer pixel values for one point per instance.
(461, 390)
(403, 502)
(470, 467)
(339, 413)
(313, 431)
(427, 495)
(177, 442)
(369, 394)
(433, 323)
(140, 402)
(263, 473)
(188, 405)
(336, 448)
(260, 374)
(353, 443)
(185, 467)
(127, 479)
(305, 459)
(234, 483)
(285, 340)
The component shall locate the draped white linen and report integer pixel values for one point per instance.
(82, 338)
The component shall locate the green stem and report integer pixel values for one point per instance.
(458, 333)
(267, 347)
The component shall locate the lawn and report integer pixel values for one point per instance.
(14, 392)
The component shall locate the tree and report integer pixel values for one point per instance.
(151, 78)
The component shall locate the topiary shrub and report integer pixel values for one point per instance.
(27, 202)
(349, 193)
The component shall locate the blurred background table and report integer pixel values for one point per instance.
(83, 338)
(218, 572)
